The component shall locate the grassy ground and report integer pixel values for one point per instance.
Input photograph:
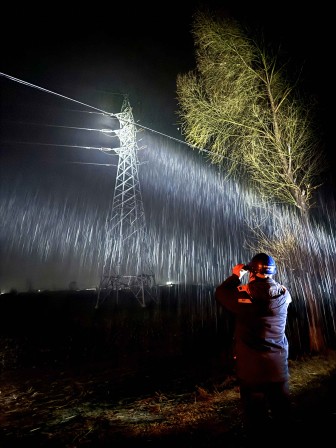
(96, 405)
(121, 376)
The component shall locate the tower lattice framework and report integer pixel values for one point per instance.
(127, 261)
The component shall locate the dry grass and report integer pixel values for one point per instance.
(203, 406)
(64, 410)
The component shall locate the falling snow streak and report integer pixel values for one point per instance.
(196, 222)
(198, 216)
(199, 225)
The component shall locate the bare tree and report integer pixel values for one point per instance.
(239, 106)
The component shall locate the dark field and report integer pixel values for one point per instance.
(126, 376)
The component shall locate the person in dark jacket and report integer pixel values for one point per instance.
(260, 343)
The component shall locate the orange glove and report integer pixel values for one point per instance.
(238, 270)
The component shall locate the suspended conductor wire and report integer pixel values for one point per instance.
(104, 131)
(105, 150)
(28, 84)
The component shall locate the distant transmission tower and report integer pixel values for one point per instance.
(127, 263)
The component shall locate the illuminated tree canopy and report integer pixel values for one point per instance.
(238, 105)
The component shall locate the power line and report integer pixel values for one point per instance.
(100, 148)
(28, 84)
(20, 81)
(103, 131)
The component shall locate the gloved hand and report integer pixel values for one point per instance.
(238, 270)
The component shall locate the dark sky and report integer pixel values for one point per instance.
(93, 55)
(68, 42)
(141, 48)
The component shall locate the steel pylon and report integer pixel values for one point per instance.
(127, 260)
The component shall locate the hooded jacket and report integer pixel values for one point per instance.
(260, 310)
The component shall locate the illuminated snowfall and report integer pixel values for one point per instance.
(199, 224)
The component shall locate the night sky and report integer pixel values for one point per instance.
(139, 50)
(95, 56)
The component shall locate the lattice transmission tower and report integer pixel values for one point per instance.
(127, 261)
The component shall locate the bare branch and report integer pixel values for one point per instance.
(239, 106)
